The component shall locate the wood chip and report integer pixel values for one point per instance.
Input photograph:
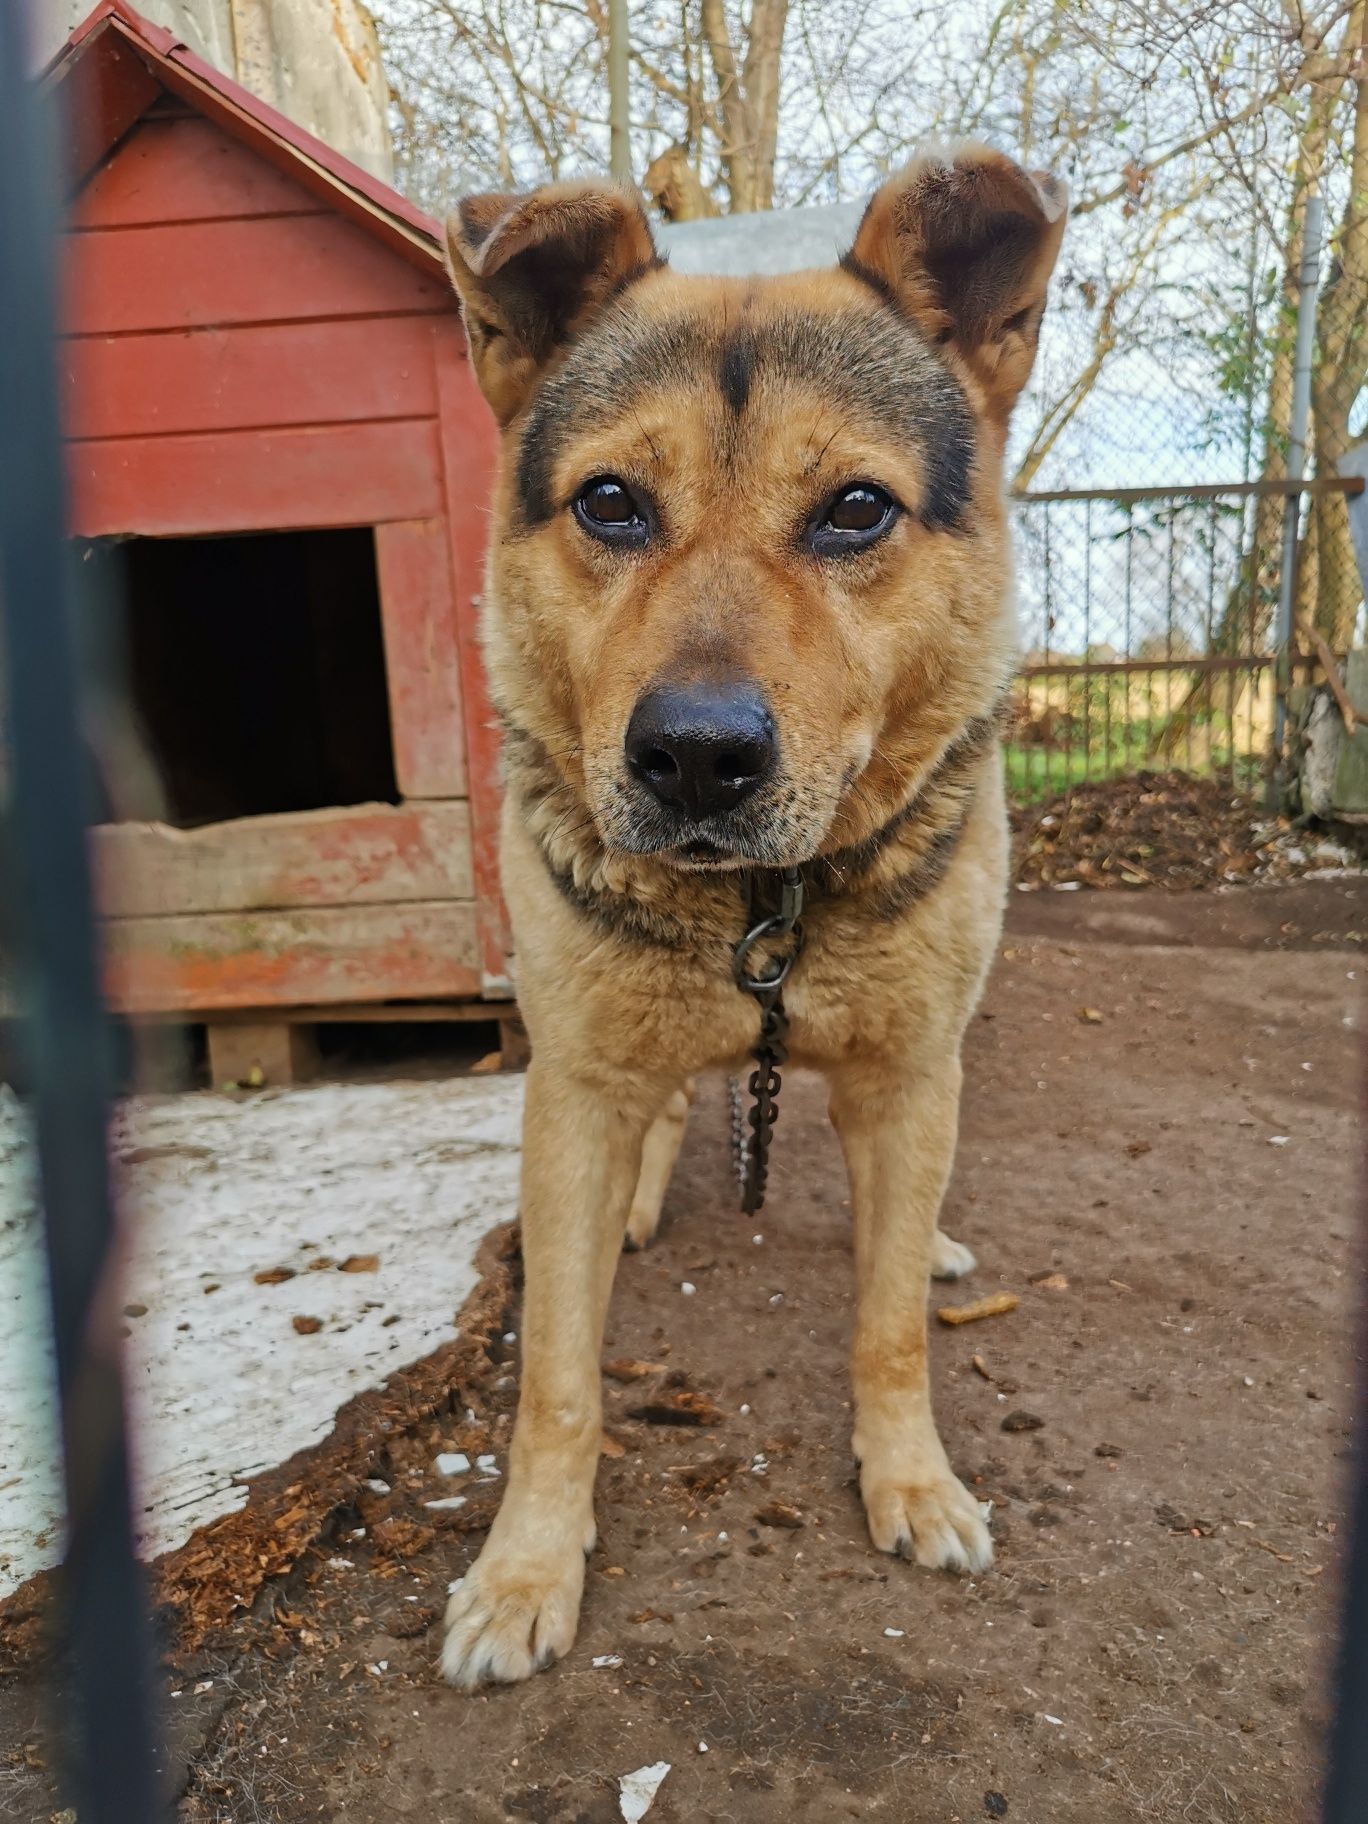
(360, 1263)
(1050, 1282)
(683, 1408)
(627, 1370)
(778, 1513)
(1273, 1552)
(979, 1366)
(997, 1304)
(273, 1276)
(709, 1478)
(1090, 1016)
(307, 1326)
(609, 1446)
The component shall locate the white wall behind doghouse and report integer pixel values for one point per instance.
(318, 61)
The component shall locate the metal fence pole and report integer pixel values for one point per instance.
(619, 94)
(1346, 1792)
(103, 1666)
(1307, 282)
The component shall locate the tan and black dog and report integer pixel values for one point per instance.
(749, 608)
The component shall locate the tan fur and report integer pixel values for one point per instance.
(884, 674)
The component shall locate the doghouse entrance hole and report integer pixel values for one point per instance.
(256, 669)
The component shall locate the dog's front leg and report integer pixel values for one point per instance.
(517, 1607)
(898, 1129)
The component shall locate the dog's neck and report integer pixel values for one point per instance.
(639, 897)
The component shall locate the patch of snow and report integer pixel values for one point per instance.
(216, 1190)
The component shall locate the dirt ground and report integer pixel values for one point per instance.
(1163, 1115)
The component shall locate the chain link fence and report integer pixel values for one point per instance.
(1163, 621)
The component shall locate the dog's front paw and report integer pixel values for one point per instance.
(512, 1614)
(950, 1259)
(937, 1522)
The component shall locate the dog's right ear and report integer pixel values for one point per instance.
(532, 271)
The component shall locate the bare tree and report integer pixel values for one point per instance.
(1191, 133)
(487, 90)
(1329, 583)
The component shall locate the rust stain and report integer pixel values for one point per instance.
(340, 33)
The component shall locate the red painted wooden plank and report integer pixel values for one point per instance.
(184, 170)
(286, 959)
(391, 218)
(422, 664)
(401, 224)
(469, 451)
(263, 271)
(98, 98)
(255, 481)
(366, 854)
(230, 379)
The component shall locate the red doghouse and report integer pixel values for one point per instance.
(276, 440)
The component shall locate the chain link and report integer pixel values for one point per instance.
(751, 1152)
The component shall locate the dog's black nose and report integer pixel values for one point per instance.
(701, 748)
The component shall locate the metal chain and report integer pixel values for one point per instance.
(751, 1152)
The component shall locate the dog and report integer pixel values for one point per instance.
(749, 609)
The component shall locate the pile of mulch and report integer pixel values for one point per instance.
(1161, 830)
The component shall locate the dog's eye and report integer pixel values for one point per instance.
(608, 510)
(854, 519)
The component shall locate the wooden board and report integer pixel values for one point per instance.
(469, 453)
(98, 98)
(255, 481)
(246, 377)
(376, 1013)
(422, 663)
(1350, 793)
(183, 171)
(368, 854)
(272, 269)
(202, 961)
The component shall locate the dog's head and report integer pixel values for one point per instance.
(750, 568)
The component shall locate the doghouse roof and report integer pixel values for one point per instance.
(116, 65)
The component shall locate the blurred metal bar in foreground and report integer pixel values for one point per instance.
(103, 1665)
(1346, 1792)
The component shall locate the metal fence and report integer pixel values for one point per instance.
(103, 1661)
(1149, 631)
(1165, 625)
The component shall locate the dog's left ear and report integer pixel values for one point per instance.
(966, 240)
(532, 271)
